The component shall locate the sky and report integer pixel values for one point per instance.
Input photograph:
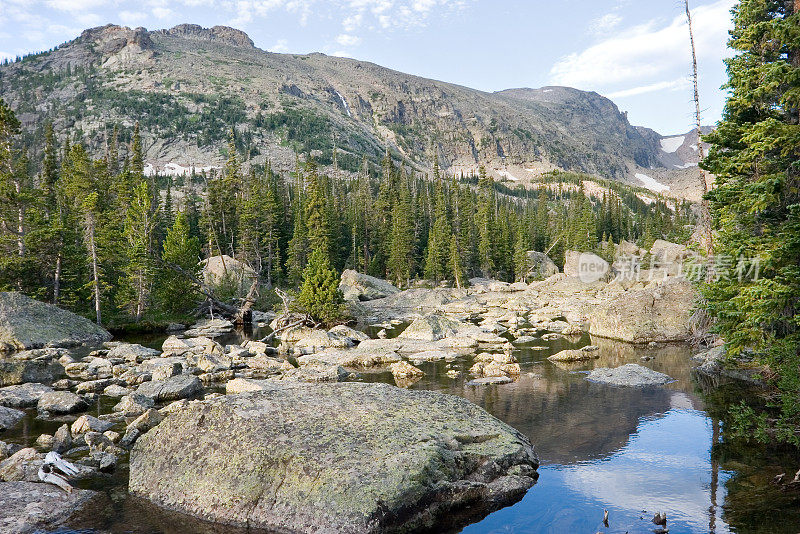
(635, 52)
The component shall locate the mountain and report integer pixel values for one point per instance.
(188, 85)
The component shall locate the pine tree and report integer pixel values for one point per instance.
(401, 253)
(297, 255)
(756, 207)
(175, 293)
(437, 258)
(521, 247)
(319, 295)
(455, 262)
(139, 226)
(486, 225)
(316, 214)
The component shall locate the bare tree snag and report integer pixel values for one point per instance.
(705, 208)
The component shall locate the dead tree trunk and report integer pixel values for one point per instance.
(705, 208)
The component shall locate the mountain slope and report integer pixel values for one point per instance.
(188, 85)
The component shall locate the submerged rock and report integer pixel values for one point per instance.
(26, 323)
(630, 374)
(333, 458)
(573, 355)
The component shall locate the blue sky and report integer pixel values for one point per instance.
(636, 52)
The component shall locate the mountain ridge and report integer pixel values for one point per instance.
(209, 79)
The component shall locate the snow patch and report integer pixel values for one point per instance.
(508, 176)
(651, 183)
(671, 144)
(693, 147)
(547, 91)
(685, 165)
(173, 169)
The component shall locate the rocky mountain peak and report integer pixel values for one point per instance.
(110, 39)
(220, 34)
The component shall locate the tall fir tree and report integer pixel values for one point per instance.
(175, 292)
(754, 155)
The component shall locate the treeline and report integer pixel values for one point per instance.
(99, 237)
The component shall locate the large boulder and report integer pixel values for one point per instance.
(669, 257)
(540, 266)
(28, 324)
(659, 312)
(29, 507)
(358, 286)
(333, 458)
(229, 274)
(132, 352)
(61, 402)
(586, 266)
(431, 328)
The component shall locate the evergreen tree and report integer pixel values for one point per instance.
(316, 214)
(139, 226)
(298, 250)
(455, 262)
(486, 224)
(756, 206)
(175, 293)
(401, 253)
(319, 295)
(437, 258)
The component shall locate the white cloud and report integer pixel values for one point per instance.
(280, 47)
(647, 51)
(74, 6)
(162, 12)
(132, 18)
(605, 24)
(351, 22)
(345, 39)
(674, 85)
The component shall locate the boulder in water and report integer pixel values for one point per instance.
(631, 374)
(349, 457)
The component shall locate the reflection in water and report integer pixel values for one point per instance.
(658, 470)
(632, 451)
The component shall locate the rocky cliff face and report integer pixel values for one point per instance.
(188, 85)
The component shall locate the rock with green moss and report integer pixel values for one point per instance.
(338, 457)
(28, 324)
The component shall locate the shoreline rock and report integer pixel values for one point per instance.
(26, 323)
(348, 457)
